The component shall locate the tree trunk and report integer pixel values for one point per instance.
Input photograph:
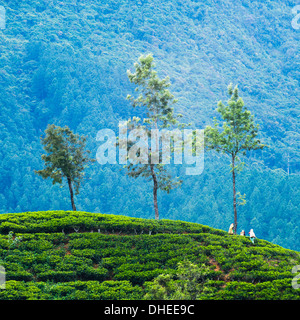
(155, 187)
(234, 195)
(288, 164)
(71, 194)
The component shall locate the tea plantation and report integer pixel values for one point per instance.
(79, 255)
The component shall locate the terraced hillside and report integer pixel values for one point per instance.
(80, 255)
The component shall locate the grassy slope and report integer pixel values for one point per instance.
(67, 255)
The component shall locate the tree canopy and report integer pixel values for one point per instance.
(65, 157)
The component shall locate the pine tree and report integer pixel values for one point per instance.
(237, 136)
(156, 101)
(66, 158)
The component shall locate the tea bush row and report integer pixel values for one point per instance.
(269, 290)
(69, 221)
(73, 290)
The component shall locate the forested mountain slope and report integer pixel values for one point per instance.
(80, 255)
(65, 62)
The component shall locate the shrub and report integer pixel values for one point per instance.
(16, 290)
(57, 276)
(138, 277)
(90, 273)
(237, 291)
(19, 275)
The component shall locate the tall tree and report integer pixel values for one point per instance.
(156, 102)
(66, 158)
(237, 136)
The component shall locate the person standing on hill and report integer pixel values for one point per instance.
(230, 231)
(252, 235)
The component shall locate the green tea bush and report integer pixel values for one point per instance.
(36, 245)
(57, 276)
(138, 277)
(19, 275)
(58, 221)
(87, 253)
(19, 290)
(237, 291)
(114, 290)
(90, 273)
(113, 262)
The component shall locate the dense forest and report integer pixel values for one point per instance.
(65, 62)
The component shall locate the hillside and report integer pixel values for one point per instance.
(65, 62)
(80, 255)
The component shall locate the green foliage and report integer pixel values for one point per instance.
(188, 283)
(59, 221)
(74, 290)
(66, 157)
(178, 260)
(239, 130)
